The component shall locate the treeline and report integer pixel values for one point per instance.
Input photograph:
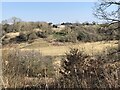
(72, 32)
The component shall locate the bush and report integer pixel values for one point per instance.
(62, 39)
(22, 37)
(82, 71)
(82, 36)
(88, 37)
(61, 33)
(26, 68)
(66, 37)
(26, 63)
(41, 34)
(109, 55)
(32, 36)
(7, 28)
(71, 69)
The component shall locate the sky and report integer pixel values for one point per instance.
(48, 0)
(55, 12)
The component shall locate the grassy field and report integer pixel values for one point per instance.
(48, 49)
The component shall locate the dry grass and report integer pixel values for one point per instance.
(89, 48)
(51, 50)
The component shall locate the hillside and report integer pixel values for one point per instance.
(36, 54)
(73, 32)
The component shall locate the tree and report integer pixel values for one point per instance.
(103, 11)
(12, 23)
(94, 23)
(4, 22)
(15, 20)
(12, 20)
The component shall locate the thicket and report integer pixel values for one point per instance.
(26, 63)
(77, 70)
(83, 71)
(19, 65)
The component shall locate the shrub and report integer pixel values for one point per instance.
(22, 37)
(27, 63)
(72, 37)
(82, 36)
(88, 37)
(41, 34)
(83, 71)
(62, 39)
(70, 69)
(7, 28)
(109, 55)
(63, 36)
(54, 26)
(32, 36)
(61, 33)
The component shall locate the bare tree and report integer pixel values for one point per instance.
(109, 10)
(15, 20)
(12, 20)
(102, 10)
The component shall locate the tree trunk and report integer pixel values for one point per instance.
(119, 31)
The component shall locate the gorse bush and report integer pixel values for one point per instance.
(83, 71)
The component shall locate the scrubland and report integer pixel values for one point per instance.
(47, 56)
